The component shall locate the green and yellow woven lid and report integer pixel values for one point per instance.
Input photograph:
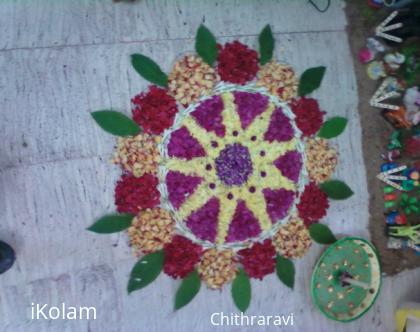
(346, 279)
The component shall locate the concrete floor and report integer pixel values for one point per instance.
(60, 60)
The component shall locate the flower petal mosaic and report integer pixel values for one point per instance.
(222, 170)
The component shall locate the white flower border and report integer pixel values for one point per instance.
(181, 226)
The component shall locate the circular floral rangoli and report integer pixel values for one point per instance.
(226, 171)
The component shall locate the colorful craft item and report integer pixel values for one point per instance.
(394, 60)
(346, 279)
(396, 218)
(375, 45)
(411, 102)
(366, 55)
(381, 94)
(383, 29)
(397, 118)
(375, 70)
(388, 176)
(409, 204)
(409, 232)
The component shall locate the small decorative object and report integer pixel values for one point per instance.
(396, 218)
(383, 29)
(411, 101)
(375, 70)
(388, 175)
(227, 168)
(397, 118)
(407, 232)
(366, 55)
(7, 257)
(407, 317)
(381, 94)
(346, 279)
(394, 61)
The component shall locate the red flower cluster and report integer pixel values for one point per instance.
(412, 147)
(313, 204)
(181, 255)
(154, 110)
(259, 260)
(133, 194)
(308, 115)
(237, 63)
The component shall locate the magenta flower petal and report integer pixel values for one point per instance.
(278, 202)
(180, 186)
(209, 115)
(280, 128)
(203, 222)
(250, 105)
(244, 225)
(183, 145)
(290, 165)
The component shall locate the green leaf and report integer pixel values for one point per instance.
(145, 271)
(285, 271)
(266, 41)
(112, 223)
(241, 290)
(321, 234)
(188, 290)
(116, 123)
(336, 189)
(310, 80)
(333, 127)
(206, 45)
(149, 70)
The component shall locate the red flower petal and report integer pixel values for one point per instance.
(259, 260)
(309, 117)
(313, 204)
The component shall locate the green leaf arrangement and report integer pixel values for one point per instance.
(409, 204)
(206, 45)
(116, 123)
(336, 189)
(266, 41)
(321, 234)
(189, 288)
(112, 223)
(149, 70)
(145, 271)
(310, 80)
(241, 290)
(285, 270)
(333, 127)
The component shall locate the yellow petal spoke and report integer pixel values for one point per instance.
(272, 150)
(194, 167)
(195, 201)
(273, 179)
(227, 210)
(203, 136)
(260, 124)
(256, 203)
(231, 119)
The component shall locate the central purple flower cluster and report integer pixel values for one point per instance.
(234, 165)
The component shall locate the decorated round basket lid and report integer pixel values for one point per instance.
(346, 279)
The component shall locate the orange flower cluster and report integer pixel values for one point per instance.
(292, 240)
(217, 267)
(279, 79)
(321, 159)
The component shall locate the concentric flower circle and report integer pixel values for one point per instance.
(233, 174)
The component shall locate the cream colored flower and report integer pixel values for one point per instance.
(138, 154)
(292, 240)
(150, 230)
(217, 267)
(279, 79)
(190, 79)
(321, 159)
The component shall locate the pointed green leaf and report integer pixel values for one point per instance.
(333, 127)
(188, 290)
(241, 291)
(115, 123)
(145, 271)
(285, 270)
(149, 70)
(112, 223)
(336, 189)
(322, 234)
(266, 41)
(310, 80)
(206, 45)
